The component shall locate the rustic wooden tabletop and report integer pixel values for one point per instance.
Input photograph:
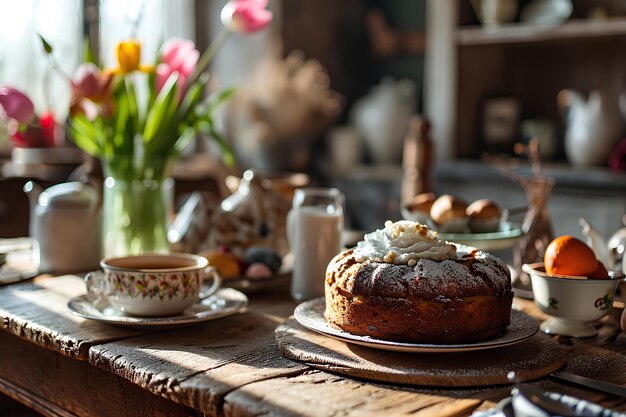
(63, 365)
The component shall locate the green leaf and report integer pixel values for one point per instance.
(121, 119)
(85, 135)
(215, 101)
(191, 99)
(185, 138)
(46, 45)
(152, 93)
(86, 144)
(133, 107)
(160, 114)
(207, 126)
(220, 98)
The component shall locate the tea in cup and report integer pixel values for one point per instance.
(152, 285)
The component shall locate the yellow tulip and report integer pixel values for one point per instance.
(129, 57)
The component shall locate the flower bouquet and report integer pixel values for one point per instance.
(137, 142)
(25, 129)
(38, 148)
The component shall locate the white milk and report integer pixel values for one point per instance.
(314, 238)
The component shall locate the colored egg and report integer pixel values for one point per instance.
(258, 270)
(225, 263)
(269, 257)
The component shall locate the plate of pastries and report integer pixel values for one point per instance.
(479, 224)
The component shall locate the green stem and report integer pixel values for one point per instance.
(208, 54)
(136, 216)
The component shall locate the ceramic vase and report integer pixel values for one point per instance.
(593, 127)
(382, 118)
(493, 13)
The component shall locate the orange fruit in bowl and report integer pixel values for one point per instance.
(600, 272)
(567, 255)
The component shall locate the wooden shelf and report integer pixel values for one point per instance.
(521, 33)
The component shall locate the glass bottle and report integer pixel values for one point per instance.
(314, 229)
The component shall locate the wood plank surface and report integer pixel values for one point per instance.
(58, 386)
(317, 393)
(37, 311)
(37, 405)
(530, 359)
(231, 366)
(198, 366)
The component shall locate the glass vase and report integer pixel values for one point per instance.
(537, 224)
(136, 215)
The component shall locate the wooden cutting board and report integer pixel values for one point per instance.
(530, 359)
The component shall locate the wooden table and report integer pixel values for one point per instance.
(62, 365)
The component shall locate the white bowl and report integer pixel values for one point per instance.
(572, 302)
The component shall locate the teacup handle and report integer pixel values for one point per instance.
(95, 286)
(210, 271)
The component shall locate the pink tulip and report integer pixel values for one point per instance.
(90, 82)
(15, 105)
(177, 55)
(245, 16)
(91, 92)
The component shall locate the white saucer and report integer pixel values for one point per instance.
(310, 314)
(225, 302)
(564, 327)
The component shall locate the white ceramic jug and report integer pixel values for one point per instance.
(65, 223)
(493, 13)
(593, 127)
(382, 118)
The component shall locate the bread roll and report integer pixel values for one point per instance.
(484, 216)
(448, 214)
(419, 207)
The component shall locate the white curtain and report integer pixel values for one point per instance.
(23, 62)
(150, 21)
(241, 53)
(24, 65)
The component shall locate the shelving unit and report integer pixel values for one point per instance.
(467, 64)
(522, 33)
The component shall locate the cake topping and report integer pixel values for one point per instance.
(402, 243)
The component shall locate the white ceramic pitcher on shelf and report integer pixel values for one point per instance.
(593, 126)
(382, 117)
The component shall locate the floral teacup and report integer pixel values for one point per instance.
(152, 285)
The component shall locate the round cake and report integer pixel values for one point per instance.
(404, 284)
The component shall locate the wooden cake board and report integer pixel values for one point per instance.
(531, 359)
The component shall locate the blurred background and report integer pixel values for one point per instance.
(335, 90)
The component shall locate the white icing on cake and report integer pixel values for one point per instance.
(403, 243)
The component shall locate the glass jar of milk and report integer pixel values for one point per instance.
(314, 228)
